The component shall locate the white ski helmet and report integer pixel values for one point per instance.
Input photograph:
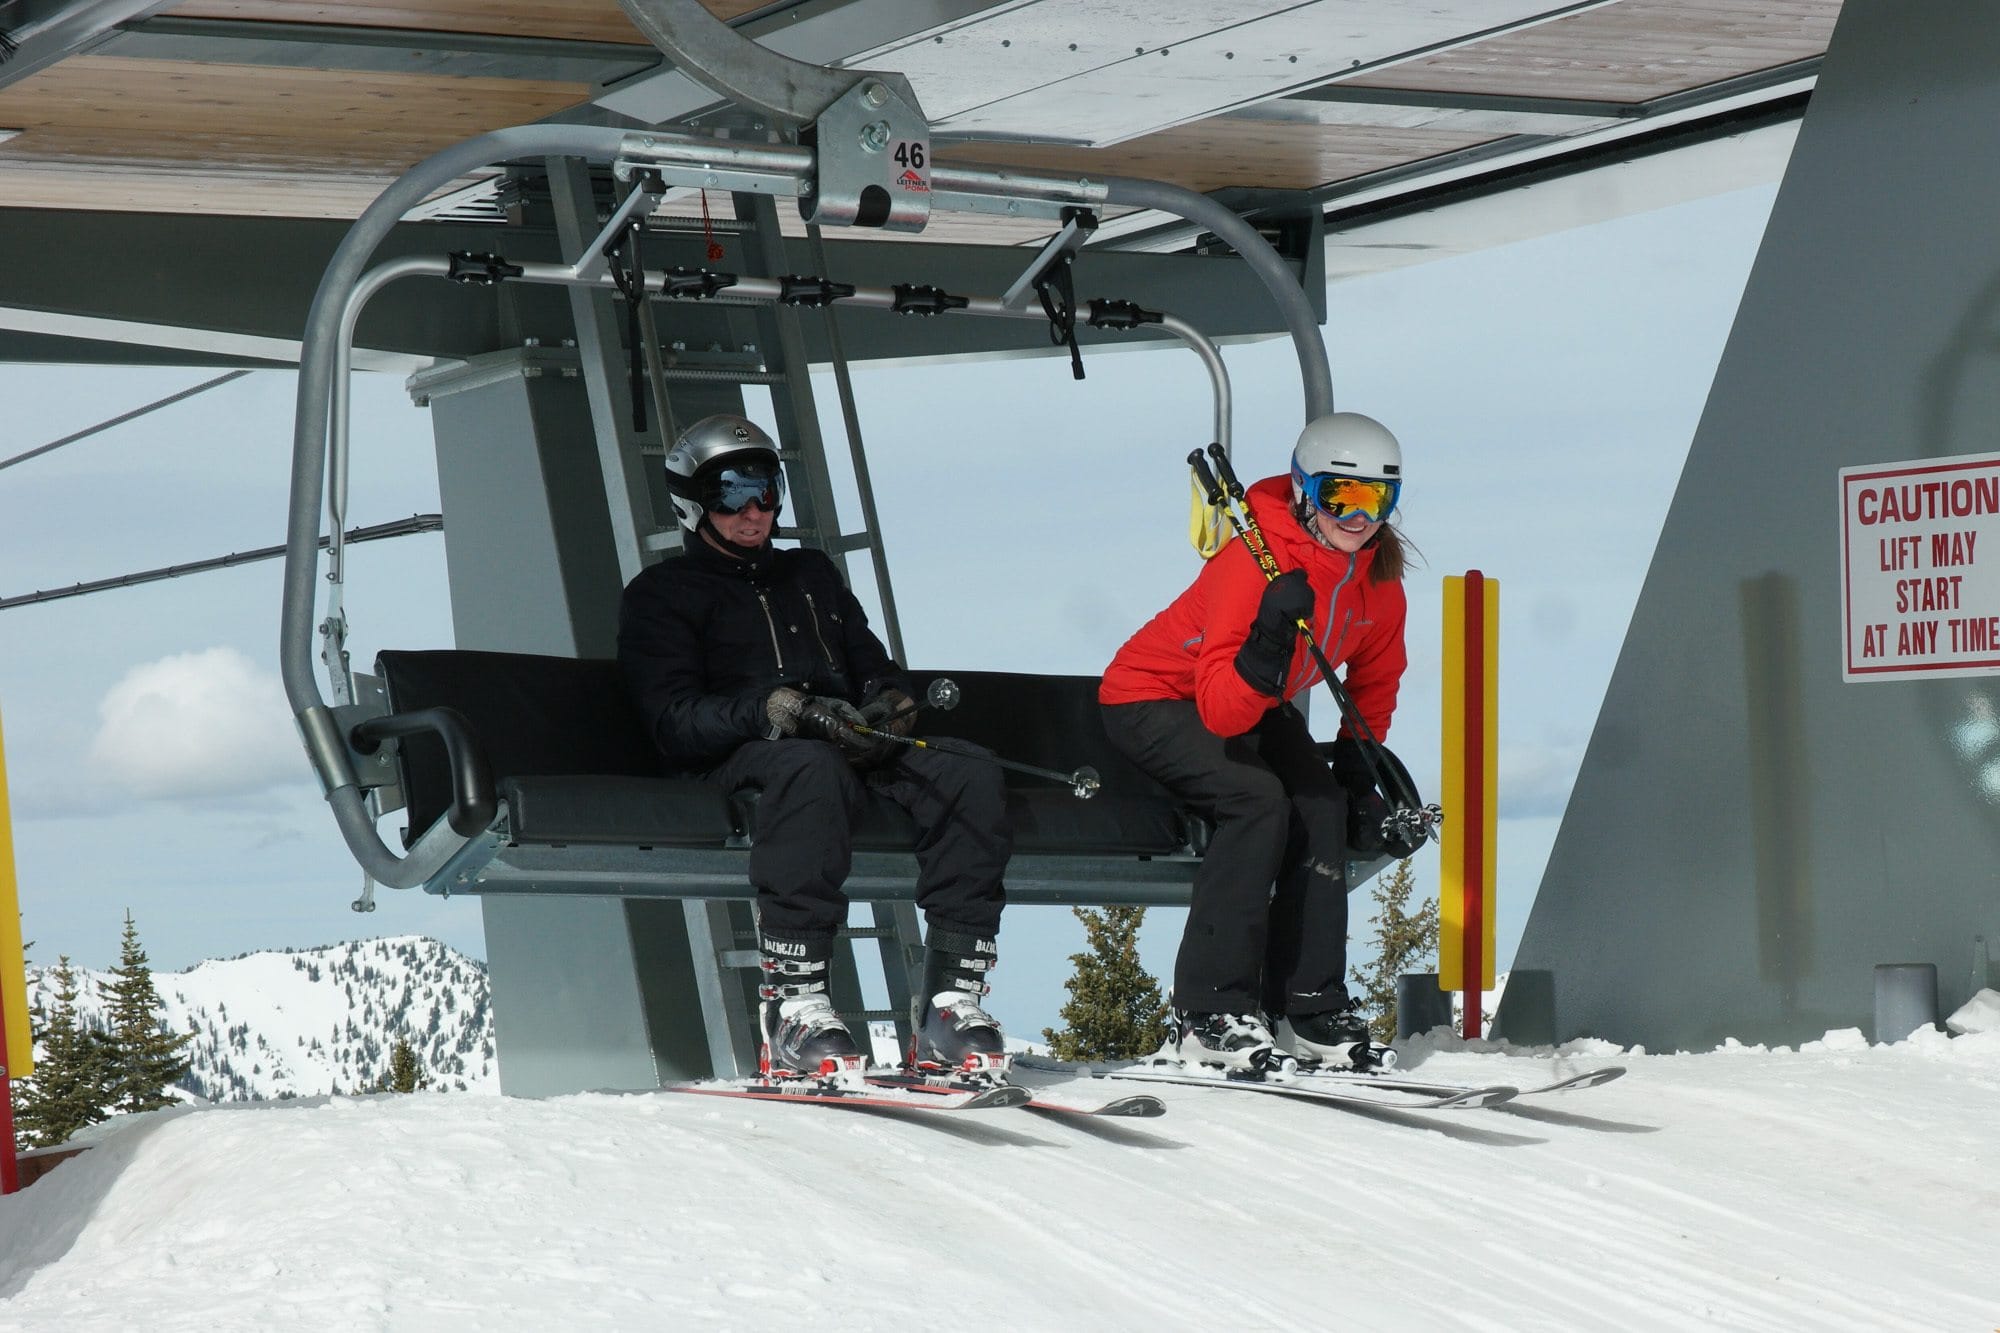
(1345, 444)
(705, 449)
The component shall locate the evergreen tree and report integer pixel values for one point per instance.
(70, 1088)
(1114, 1011)
(147, 1059)
(1405, 941)
(405, 1072)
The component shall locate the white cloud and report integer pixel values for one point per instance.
(1535, 780)
(203, 724)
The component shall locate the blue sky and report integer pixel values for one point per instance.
(1545, 393)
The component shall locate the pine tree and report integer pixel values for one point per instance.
(147, 1058)
(70, 1088)
(405, 1072)
(1404, 942)
(1114, 1011)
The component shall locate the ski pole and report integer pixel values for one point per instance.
(944, 695)
(1225, 492)
(1083, 782)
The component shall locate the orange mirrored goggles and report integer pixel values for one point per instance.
(1343, 497)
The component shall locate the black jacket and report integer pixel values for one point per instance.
(704, 639)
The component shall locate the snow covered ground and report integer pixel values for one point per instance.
(1839, 1186)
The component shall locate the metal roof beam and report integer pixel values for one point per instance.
(44, 33)
(379, 50)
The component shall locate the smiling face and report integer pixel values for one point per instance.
(1349, 534)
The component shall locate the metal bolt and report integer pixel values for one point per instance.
(711, 178)
(1006, 41)
(677, 345)
(531, 342)
(1013, 205)
(875, 136)
(569, 342)
(748, 347)
(875, 95)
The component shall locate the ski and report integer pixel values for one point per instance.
(1455, 1098)
(819, 1094)
(1137, 1106)
(1368, 1079)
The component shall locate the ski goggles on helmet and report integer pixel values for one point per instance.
(731, 490)
(1341, 497)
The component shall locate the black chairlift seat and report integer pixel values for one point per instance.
(581, 803)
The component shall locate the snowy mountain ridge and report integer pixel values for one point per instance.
(306, 1022)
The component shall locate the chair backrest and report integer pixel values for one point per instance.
(533, 715)
(1050, 721)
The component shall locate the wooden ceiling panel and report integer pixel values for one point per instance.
(1211, 155)
(576, 20)
(1627, 52)
(233, 116)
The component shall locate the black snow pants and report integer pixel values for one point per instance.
(1280, 819)
(810, 800)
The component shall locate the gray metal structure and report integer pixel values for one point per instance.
(1749, 836)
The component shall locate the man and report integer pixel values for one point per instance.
(753, 666)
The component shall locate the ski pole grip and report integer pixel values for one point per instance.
(1202, 474)
(1225, 470)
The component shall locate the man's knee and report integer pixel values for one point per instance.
(811, 768)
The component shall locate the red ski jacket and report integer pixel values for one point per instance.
(1188, 651)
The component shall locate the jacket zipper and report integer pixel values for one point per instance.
(772, 625)
(1332, 654)
(812, 612)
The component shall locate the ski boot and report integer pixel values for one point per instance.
(1332, 1039)
(803, 1036)
(949, 1033)
(1234, 1043)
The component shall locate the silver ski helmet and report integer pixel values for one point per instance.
(1346, 446)
(707, 449)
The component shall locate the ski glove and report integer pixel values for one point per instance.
(832, 720)
(1266, 655)
(1367, 808)
(891, 710)
(781, 708)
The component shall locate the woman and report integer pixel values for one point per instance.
(1200, 699)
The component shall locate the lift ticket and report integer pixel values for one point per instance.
(1920, 548)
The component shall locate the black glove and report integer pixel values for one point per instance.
(832, 720)
(1367, 807)
(1266, 655)
(891, 710)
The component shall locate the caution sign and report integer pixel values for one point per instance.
(1920, 545)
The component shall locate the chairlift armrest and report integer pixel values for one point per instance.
(473, 801)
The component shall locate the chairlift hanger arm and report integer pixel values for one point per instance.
(723, 60)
